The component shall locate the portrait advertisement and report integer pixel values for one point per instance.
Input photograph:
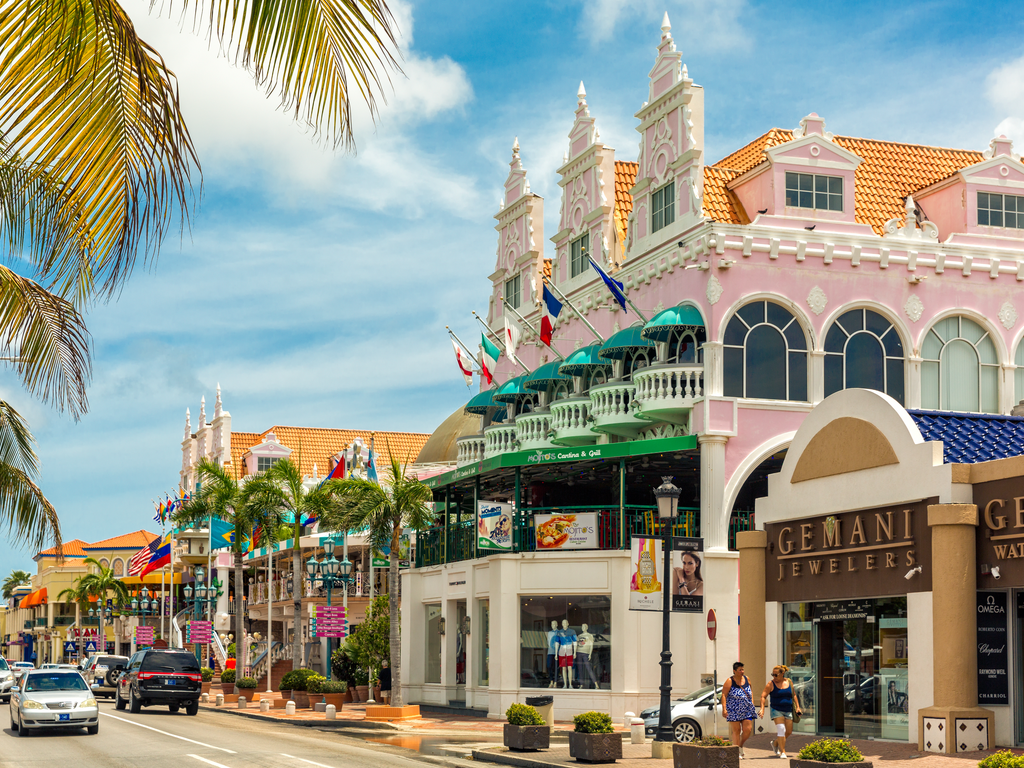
(686, 578)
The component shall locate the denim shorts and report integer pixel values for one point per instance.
(776, 713)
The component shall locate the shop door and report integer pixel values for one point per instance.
(460, 651)
(830, 677)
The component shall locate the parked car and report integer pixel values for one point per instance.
(868, 697)
(157, 676)
(692, 716)
(101, 673)
(53, 698)
(20, 667)
(6, 680)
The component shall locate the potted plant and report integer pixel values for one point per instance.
(334, 692)
(313, 688)
(829, 752)
(708, 752)
(526, 730)
(344, 668)
(362, 680)
(375, 686)
(207, 675)
(295, 682)
(594, 740)
(246, 686)
(227, 683)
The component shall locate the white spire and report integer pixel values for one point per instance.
(202, 412)
(188, 424)
(515, 146)
(581, 94)
(217, 408)
(666, 25)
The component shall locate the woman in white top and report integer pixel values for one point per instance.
(687, 580)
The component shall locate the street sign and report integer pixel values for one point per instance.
(712, 624)
(90, 647)
(143, 635)
(200, 632)
(70, 646)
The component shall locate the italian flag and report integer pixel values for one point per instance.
(489, 358)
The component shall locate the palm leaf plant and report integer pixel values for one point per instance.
(384, 511)
(13, 581)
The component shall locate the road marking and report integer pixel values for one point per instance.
(208, 762)
(292, 757)
(172, 735)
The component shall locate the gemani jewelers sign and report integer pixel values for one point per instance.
(849, 555)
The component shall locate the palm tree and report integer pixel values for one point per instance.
(97, 584)
(384, 512)
(12, 582)
(282, 486)
(221, 496)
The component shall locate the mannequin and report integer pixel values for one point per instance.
(552, 652)
(566, 652)
(584, 647)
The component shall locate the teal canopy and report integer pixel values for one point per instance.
(624, 342)
(510, 390)
(480, 403)
(582, 360)
(678, 318)
(539, 380)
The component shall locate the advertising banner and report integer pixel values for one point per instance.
(993, 654)
(381, 559)
(494, 526)
(648, 560)
(686, 577)
(647, 578)
(567, 531)
(404, 547)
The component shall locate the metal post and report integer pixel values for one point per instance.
(447, 510)
(344, 556)
(517, 512)
(270, 610)
(330, 587)
(476, 508)
(665, 707)
(622, 503)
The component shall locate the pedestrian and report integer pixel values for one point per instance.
(385, 683)
(738, 706)
(783, 704)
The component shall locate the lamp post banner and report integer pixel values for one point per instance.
(686, 578)
(646, 579)
(494, 526)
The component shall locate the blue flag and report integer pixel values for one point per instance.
(554, 305)
(222, 534)
(617, 289)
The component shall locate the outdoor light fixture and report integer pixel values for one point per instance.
(667, 495)
(465, 626)
(918, 569)
(440, 626)
(311, 565)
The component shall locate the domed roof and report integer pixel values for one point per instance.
(440, 446)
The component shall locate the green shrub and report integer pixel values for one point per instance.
(523, 714)
(361, 676)
(231, 650)
(831, 751)
(343, 665)
(296, 679)
(711, 741)
(246, 682)
(227, 676)
(1003, 759)
(207, 674)
(593, 722)
(314, 683)
(333, 686)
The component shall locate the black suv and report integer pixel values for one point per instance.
(168, 676)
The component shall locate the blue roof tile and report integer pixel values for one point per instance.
(969, 438)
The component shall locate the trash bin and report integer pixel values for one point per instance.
(545, 705)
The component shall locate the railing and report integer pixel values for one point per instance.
(532, 430)
(258, 591)
(571, 421)
(278, 651)
(63, 621)
(470, 450)
(668, 392)
(40, 621)
(499, 438)
(615, 410)
(177, 637)
(219, 650)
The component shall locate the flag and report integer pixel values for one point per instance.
(463, 360)
(617, 289)
(141, 558)
(159, 516)
(221, 534)
(554, 307)
(488, 358)
(371, 464)
(339, 470)
(254, 537)
(161, 555)
(512, 334)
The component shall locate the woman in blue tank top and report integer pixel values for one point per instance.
(783, 704)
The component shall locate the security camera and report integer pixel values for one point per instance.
(912, 571)
(995, 571)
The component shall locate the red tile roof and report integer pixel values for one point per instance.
(135, 540)
(625, 178)
(73, 548)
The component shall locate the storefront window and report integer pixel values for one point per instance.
(484, 634)
(565, 642)
(432, 673)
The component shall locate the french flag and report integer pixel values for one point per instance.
(554, 306)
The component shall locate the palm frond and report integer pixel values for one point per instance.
(26, 512)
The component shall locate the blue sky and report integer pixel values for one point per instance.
(315, 286)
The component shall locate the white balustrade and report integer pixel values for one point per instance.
(615, 410)
(499, 438)
(470, 450)
(532, 430)
(669, 392)
(572, 422)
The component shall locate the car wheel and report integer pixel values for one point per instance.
(92, 730)
(118, 701)
(134, 705)
(23, 731)
(192, 708)
(685, 730)
(14, 725)
(173, 707)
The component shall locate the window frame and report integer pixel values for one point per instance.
(814, 192)
(663, 213)
(737, 317)
(513, 291)
(579, 250)
(269, 461)
(886, 357)
(926, 363)
(1002, 212)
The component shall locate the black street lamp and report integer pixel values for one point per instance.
(329, 571)
(667, 495)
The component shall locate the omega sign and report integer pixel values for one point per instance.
(853, 554)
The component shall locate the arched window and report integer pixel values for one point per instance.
(765, 354)
(637, 359)
(1018, 375)
(104, 562)
(863, 349)
(684, 347)
(563, 389)
(960, 370)
(118, 567)
(597, 377)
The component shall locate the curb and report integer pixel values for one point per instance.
(356, 725)
(504, 758)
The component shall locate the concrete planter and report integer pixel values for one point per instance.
(363, 691)
(527, 738)
(693, 756)
(337, 699)
(595, 747)
(206, 687)
(795, 762)
(301, 699)
(249, 693)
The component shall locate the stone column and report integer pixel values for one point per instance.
(913, 389)
(816, 388)
(951, 725)
(713, 381)
(752, 546)
(721, 577)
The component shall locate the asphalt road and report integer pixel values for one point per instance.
(155, 738)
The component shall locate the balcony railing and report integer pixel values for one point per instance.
(41, 621)
(572, 422)
(669, 392)
(63, 621)
(615, 410)
(470, 450)
(499, 438)
(532, 430)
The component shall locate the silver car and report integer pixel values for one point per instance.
(53, 699)
(6, 680)
(693, 716)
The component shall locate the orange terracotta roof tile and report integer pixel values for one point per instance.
(625, 178)
(73, 548)
(240, 443)
(720, 204)
(134, 540)
(889, 173)
(547, 269)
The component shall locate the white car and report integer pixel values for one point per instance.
(53, 698)
(6, 680)
(693, 716)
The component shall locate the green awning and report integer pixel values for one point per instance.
(481, 402)
(678, 318)
(624, 342)
(510, 390)
(539, 380)
(582, 360)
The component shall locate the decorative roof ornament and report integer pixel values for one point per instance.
(515, 147)
(202, 412)
(1000, 146)
(666, 28)
(812, 124)
(188, 424)
(581, 95)
(909, 230)
(218, 408)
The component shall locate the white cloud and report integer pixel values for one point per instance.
(705, 24)
(1004, 88)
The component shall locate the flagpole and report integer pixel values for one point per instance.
(163, 591)
(624, 296)
(463, 345)
(528, 325)
(501, 342)
(579, 314)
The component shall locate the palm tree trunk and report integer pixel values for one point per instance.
(297, 596)
(241, 647)
(395, 637)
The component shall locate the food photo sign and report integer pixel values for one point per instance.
(494, 526)
(573, 531)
